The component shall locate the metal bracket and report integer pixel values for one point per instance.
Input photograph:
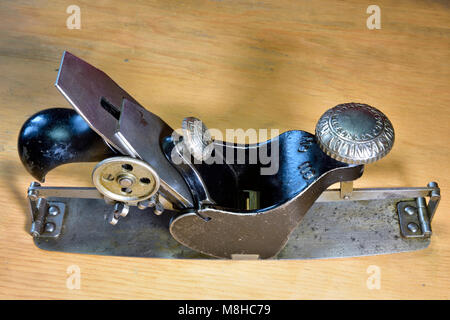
(415, 216)
(47, 218)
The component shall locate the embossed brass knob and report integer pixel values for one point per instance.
(355, 133)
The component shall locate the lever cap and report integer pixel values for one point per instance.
(355, 133)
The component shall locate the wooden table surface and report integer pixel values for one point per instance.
(234, 64)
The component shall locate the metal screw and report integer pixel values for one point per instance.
(49, 227)
(33, 231)
(113, 219)
(121, 209)
(413, 227)
(125, 182)
(410, 210)
(159, 209)
(33, 195)
(432, 184)
(142, 205)
(53, 210)
(153, 200)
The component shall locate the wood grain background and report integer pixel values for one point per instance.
(234, 64)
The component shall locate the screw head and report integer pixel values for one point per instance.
(126, 182)
(113, 219)
(432, 184)
(410, 210)
(159, 209)
(413, 227)
(49, 227)
(33, 230)
(153, 200)
(142, 205)
(121, 209)
(33, 195)
(53, 210)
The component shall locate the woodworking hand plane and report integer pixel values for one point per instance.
(160, 192)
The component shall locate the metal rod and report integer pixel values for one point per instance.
(376, 194)
(346, 189)
(66, 192)
(423, 216)
(327, 196)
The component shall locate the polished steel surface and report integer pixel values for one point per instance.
(348, 229)
(121, 121)
(325, 232)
